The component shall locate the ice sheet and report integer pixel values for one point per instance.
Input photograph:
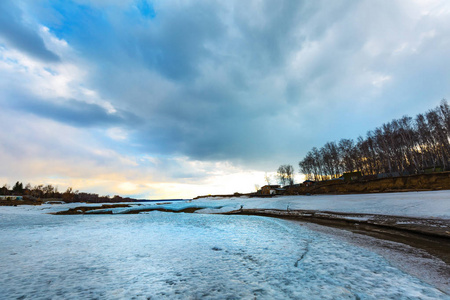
(161, 255)
(434, 204)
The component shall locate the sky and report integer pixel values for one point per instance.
(174, 99)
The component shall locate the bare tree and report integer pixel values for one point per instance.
(285, 175)
(267, 179)
(347, 152)
(307, 166)
(402, 145)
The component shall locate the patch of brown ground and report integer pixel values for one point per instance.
(97, 210)
(83, 209)
(411, 183)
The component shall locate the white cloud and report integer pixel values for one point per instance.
(117, 134)
(379, 80)
(59, 81)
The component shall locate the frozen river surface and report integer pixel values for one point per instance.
(187, 256)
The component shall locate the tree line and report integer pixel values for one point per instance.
(402, 146)
(51, 192)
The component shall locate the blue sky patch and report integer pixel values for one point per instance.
(146, 9)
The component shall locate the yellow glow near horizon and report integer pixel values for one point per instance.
(240, 182)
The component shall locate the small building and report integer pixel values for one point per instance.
(269, 189)
(280, 191)
(308, 182)
(351, 176)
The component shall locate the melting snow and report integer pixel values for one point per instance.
(187, 256)
(434, 204)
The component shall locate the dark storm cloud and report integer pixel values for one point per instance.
(205, 118)
(252, 81)
(21, 35)
(171, 42)
(176, 48)
(73, 112)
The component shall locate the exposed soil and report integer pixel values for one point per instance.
(83, 209)
(411, 183)
(98, 210)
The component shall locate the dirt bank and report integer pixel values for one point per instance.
(105, 210)
(421, 182)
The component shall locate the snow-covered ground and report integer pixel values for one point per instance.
(187, 256)
(434, 204)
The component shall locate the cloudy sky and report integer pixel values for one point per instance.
(170, 99)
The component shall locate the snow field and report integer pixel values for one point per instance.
(434, 204)
(188, 256)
